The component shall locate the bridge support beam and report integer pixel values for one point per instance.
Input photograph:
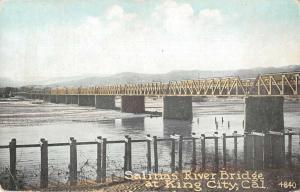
(133, 104)
(86, 100)
(262, 115)
(71, 99)
(52, 98)
(75, 99)
(61, 99)
(178, 107)
(105, 102)
(46, 98)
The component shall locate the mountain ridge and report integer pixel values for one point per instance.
(131, 77)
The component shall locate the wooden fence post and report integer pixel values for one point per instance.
(203, 151)
(254, 150)
(259, 147)
(194, 160)
(249, 151)
(73, 162)
(278, 150)
(129, 155)
(126, 154)
(180, 153)
(224, 151)
(155, 154)
(99, 158)
(103, 170)
(268, 151)
(12, 164)
(173, 155)
(289, 155)
(216, 152)
(148, 153)
(44, 164)
(235, 148)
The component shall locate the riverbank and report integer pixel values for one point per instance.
(261, 181)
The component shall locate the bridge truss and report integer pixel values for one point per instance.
(278, 84)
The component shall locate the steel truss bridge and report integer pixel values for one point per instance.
(277, 84)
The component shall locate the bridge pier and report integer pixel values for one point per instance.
(61, 99)
(52, 98)
(46, 98)
(86, 100)
(69, 99)
(133, 104)
(75, 99)
(105, 102)
(177, 107)
(262, 115)
(72, 99)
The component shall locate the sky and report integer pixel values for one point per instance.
(61, 38)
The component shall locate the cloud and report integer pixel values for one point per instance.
(115, 12)
(180, 18)
(2, 4)
(174, 17)
(173, 37)
(211, 15)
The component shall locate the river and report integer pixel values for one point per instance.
(29, 120)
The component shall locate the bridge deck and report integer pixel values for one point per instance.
(278, 84)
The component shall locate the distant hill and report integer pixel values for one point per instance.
(254, 72)
(128, 77)
(6, 82)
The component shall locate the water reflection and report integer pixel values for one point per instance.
(107, 122)
(137, 123)
(178, 127)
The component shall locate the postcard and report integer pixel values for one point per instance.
(141, 95)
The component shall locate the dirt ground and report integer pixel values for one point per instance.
(276, 180)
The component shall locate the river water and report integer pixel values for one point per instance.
(29, 120)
